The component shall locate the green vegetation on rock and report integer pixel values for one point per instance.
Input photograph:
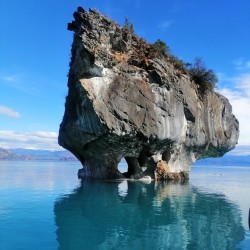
(129, 26)
(161, 47)
(205, 78)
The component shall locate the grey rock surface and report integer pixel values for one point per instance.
(126, 100)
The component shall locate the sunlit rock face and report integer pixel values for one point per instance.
(126, 100)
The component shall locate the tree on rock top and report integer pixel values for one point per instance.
(205, 78)
(161, 47)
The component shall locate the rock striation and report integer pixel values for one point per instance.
(125, 100)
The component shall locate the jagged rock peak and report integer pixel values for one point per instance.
(127, 100)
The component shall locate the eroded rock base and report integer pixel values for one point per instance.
(162, 172)
(157, 171)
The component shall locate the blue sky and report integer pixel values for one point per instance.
(35, 51)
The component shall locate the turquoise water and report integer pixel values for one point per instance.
(44, 206)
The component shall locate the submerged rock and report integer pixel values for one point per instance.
(126, 100)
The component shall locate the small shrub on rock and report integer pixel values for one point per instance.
(205, 78)
(161, 47)
(178, 64)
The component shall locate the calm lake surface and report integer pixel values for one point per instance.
(44, 206)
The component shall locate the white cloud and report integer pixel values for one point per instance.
(165, 24)
(242, 64)
(239, 97)
(29, 140)
(9, 112)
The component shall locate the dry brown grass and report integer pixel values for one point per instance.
(121, 57)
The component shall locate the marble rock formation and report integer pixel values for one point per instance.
(126, 100)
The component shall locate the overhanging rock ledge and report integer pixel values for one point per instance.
(126, 100)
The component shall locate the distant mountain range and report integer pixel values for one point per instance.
(64, 155)
(31, 154)
(226, 160)
(9, 155)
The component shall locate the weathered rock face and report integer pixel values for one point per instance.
(126, 100)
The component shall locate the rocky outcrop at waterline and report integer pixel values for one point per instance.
(127, 100)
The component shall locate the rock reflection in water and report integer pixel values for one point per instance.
(135, 215)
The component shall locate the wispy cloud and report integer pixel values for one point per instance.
(242, 64)
(20, 82)
(10, 78)
(165, 24)
(239, 97)
(135, 3)
(177, 7)
(29, 140)
(9, 112)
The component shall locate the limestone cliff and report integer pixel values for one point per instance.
(126, 100)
